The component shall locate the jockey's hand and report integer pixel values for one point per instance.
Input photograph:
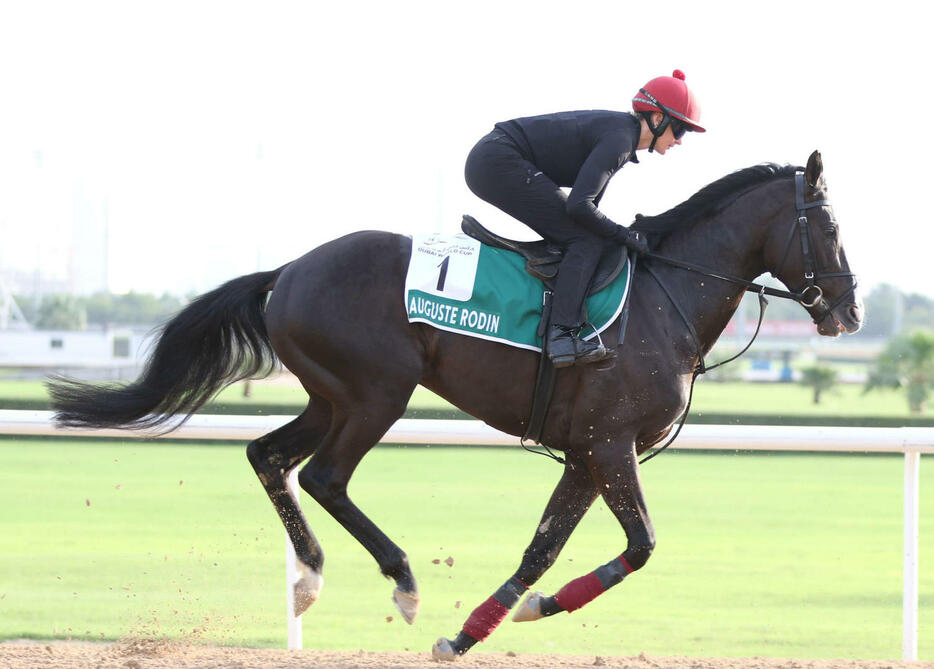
(632, 239)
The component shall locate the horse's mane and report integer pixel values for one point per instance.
(710, 199)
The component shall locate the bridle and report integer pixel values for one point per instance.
(812, 274)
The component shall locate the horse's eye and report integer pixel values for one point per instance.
(831, 230)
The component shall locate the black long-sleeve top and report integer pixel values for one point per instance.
(581, 150)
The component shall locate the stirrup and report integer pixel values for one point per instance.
(572, 350)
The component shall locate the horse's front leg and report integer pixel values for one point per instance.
(615, 472)
(569, 502)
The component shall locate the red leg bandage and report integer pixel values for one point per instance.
(587, 588)
(484, 619)
(579, 591)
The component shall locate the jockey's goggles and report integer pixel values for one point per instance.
(679, 128)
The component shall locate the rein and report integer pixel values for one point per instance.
(701, 368)
(811, 275)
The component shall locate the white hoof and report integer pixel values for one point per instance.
(307, 589)
(407, 603)
(530, 608)
(443, 651)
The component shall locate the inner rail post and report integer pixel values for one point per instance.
(910, 569)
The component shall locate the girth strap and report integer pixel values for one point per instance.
(544, 380)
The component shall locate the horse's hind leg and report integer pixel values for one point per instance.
(569, 502)
(273, 456)
(354, 431)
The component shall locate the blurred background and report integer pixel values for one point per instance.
(149, 152)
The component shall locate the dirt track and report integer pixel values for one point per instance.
(149, 654)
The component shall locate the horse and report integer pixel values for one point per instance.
(335, 317)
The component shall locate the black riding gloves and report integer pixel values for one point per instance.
(631, 239)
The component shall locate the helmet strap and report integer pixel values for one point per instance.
(657, 130)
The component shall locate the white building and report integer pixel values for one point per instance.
(118, 353)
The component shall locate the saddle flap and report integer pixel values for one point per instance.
(543, 258)
(539, 251)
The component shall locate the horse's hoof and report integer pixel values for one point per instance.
(307, 589)
(530, 608)
(407, 603)
(443, 651)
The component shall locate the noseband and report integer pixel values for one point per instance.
(812, 273)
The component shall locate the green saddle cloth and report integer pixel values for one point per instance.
(454, 283)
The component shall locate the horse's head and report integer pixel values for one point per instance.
(807, 255)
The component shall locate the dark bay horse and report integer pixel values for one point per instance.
(336, 318)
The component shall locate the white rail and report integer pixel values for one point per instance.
(910, 441)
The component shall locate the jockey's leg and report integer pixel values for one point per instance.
(569, 502)
(617, 477)
(499, 173)
(575, 275)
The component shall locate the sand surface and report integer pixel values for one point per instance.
(155, 654)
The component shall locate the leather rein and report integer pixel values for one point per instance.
(809, 296)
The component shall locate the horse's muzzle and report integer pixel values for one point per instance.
(846, 317)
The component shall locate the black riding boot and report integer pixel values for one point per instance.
(566, 348)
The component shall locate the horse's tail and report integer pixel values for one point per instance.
(216, 340)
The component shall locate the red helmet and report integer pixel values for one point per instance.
(669, 95)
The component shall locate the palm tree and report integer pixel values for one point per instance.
(907, 362)
(819, 378)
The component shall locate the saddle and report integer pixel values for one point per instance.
(541, 261)
(542, 258)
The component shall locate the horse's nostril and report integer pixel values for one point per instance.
(855, 313)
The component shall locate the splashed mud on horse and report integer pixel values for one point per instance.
(335, 318)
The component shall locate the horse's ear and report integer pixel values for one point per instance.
(814, 170)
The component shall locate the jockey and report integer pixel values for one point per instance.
(522, 164)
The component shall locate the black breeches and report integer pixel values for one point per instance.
(498, 173)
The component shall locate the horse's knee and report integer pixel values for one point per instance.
(535, 563)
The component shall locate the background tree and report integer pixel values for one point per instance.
(907, 362)
(67, 312)
(130, 308)
(819, 378)
(886, 304)
(891, 312)
(730, 372)
(61, 312)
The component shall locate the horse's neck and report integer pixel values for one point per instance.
(732, 243)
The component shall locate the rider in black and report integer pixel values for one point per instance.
(522, 164)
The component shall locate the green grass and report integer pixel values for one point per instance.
(758, 554)
(778, 399)
(25, 390)
(261, 392)
(793, 399)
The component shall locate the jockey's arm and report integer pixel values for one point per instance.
(592, 179)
